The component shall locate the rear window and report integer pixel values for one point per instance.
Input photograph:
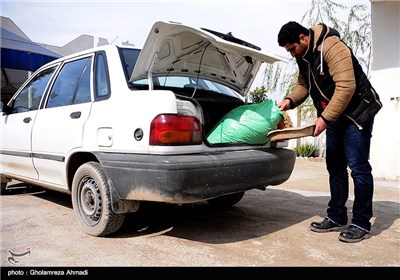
(129, 57)
(187, 83)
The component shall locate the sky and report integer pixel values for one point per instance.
(57, 22)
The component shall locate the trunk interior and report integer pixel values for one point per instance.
(213, 106)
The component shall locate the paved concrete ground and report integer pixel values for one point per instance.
(265, 229)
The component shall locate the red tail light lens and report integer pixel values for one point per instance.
(168, 130)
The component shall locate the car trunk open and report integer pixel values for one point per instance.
(176, 50)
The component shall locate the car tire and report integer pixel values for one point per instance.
(3, 187)
(226, 200)
(91, 201)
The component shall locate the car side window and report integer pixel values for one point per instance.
(72, 86)
(29, 97)
(101, 81)
(82, 94)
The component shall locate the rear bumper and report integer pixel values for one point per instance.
(196, 177)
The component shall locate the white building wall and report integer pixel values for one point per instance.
(385, 77)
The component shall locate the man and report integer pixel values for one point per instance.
(346, 104)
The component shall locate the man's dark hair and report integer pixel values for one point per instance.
(290, 33)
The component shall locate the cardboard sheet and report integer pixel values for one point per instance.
(291, 133)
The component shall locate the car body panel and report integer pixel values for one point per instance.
(55, 134)
(16, 154)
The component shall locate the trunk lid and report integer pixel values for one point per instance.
(174, 49)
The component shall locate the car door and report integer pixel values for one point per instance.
(59, 125)
(16, 126)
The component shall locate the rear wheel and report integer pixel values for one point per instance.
(3, 186)
(91, 201)
(226, 200)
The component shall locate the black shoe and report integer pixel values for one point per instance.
(353, 234)
(326, 226)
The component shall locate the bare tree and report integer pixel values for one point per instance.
(355, 29)
(354, 25)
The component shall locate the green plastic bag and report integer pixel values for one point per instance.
(248, 123)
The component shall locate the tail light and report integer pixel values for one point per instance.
(167, 130)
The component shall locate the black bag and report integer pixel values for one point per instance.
(370, 105)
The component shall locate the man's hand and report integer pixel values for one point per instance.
(284, 105)
(320, 126)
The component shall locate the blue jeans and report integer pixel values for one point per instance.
(347, 146)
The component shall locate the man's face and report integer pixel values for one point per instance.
(297, 50)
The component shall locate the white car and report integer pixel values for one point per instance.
(114, 126)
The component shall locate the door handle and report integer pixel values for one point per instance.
(27, 120)
(75, 115)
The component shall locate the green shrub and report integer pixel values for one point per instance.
(306, 150)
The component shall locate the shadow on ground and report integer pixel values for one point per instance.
(259, 213)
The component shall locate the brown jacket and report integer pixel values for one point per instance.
(329, 79)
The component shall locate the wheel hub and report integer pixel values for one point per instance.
(89, 200)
